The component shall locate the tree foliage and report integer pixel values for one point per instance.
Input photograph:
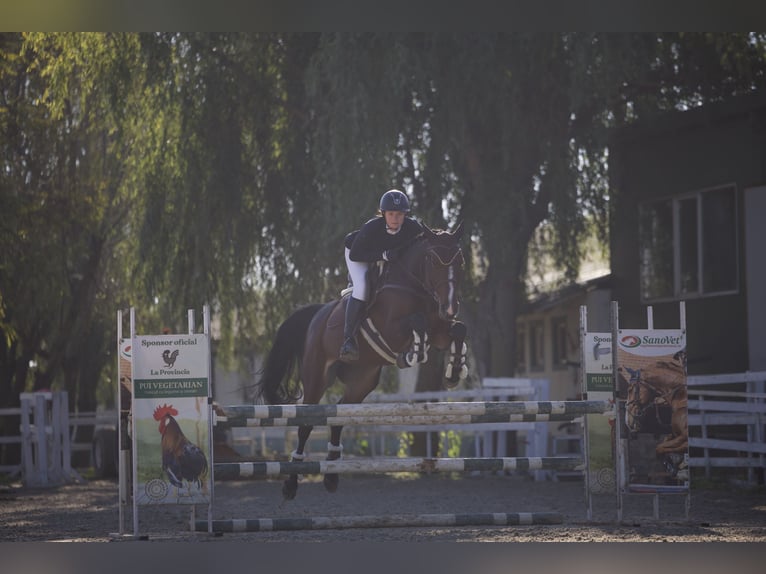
(168, 170)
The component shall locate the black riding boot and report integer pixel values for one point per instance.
(349, 352)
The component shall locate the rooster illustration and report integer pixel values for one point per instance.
(169, 358)
(182, 460)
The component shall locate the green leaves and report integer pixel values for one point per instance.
(168, 170)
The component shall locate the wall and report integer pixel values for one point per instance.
(564, 379)
(680, 153)
(755, 258)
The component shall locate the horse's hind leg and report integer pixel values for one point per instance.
(290, 486)
(334, 451)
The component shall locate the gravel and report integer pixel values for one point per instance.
(89, 511)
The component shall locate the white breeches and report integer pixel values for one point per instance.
(358, 272)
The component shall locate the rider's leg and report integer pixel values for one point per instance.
(354, 315)
(354, 309)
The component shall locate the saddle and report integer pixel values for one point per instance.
(376, 273)
(377, 280)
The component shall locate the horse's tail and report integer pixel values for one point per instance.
(276, 385)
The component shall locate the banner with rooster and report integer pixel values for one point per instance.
(171, 418)
(651, 373)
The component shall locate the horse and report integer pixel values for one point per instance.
(657, 386)
(413, 308)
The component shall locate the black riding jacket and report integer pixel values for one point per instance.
(370, 241)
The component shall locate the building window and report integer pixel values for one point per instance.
(521, 349)
(689, 245)
(536, 346)
(559, 334)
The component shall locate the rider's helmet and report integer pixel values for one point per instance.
(394, 200)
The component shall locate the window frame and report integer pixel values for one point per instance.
(675, 234)
(521, 348)
(559, 342)
(536, 346)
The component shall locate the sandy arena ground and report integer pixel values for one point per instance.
(89, 512)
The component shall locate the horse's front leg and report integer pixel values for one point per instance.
(418, 352)
(334, 451)
(456, 369)
(290, 486)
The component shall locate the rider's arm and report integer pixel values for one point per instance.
(367, 245)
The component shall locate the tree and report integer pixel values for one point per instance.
(510, 131)
(169, 170)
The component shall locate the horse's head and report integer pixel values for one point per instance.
(640, 399)
(442, 269)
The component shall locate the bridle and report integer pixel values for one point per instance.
(638, 409)
(431, 286)
(424, 281)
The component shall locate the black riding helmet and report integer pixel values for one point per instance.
(394, 200)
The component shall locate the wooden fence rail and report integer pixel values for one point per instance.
(731, 423)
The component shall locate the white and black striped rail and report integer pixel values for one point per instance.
(389, 521)
(238, 470)
(407, 413)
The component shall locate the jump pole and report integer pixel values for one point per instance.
(395, 414)
(389, 521)
(499, 408)
(235, 470)
(393, 420)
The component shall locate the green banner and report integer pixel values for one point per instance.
(169, 388)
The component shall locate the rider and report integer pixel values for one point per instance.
(378, 239)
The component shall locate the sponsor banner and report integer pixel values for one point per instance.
(651, 369)
(172, 422)
(599, 385)
(598, 363)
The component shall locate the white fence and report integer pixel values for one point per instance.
(731, 422)
(44, 438)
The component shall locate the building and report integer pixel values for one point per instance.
(688, 223)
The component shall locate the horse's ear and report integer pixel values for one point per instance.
(458, 233)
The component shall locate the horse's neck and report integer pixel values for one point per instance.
(665, 392)
(405, 273)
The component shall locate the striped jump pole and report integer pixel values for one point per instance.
(479, 408)
(389, 521)
(393, 420)
(397, 414)
(235, 470)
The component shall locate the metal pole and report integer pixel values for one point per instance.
(619, 453)
(206, 331)
(134, 462)
(584, 396)
(122, 483)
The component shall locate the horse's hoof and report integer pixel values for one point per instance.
(331, 482)
(451, 383)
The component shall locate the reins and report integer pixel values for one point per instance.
(423, 283)
(666, 395)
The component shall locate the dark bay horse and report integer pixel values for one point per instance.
(414, 307)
